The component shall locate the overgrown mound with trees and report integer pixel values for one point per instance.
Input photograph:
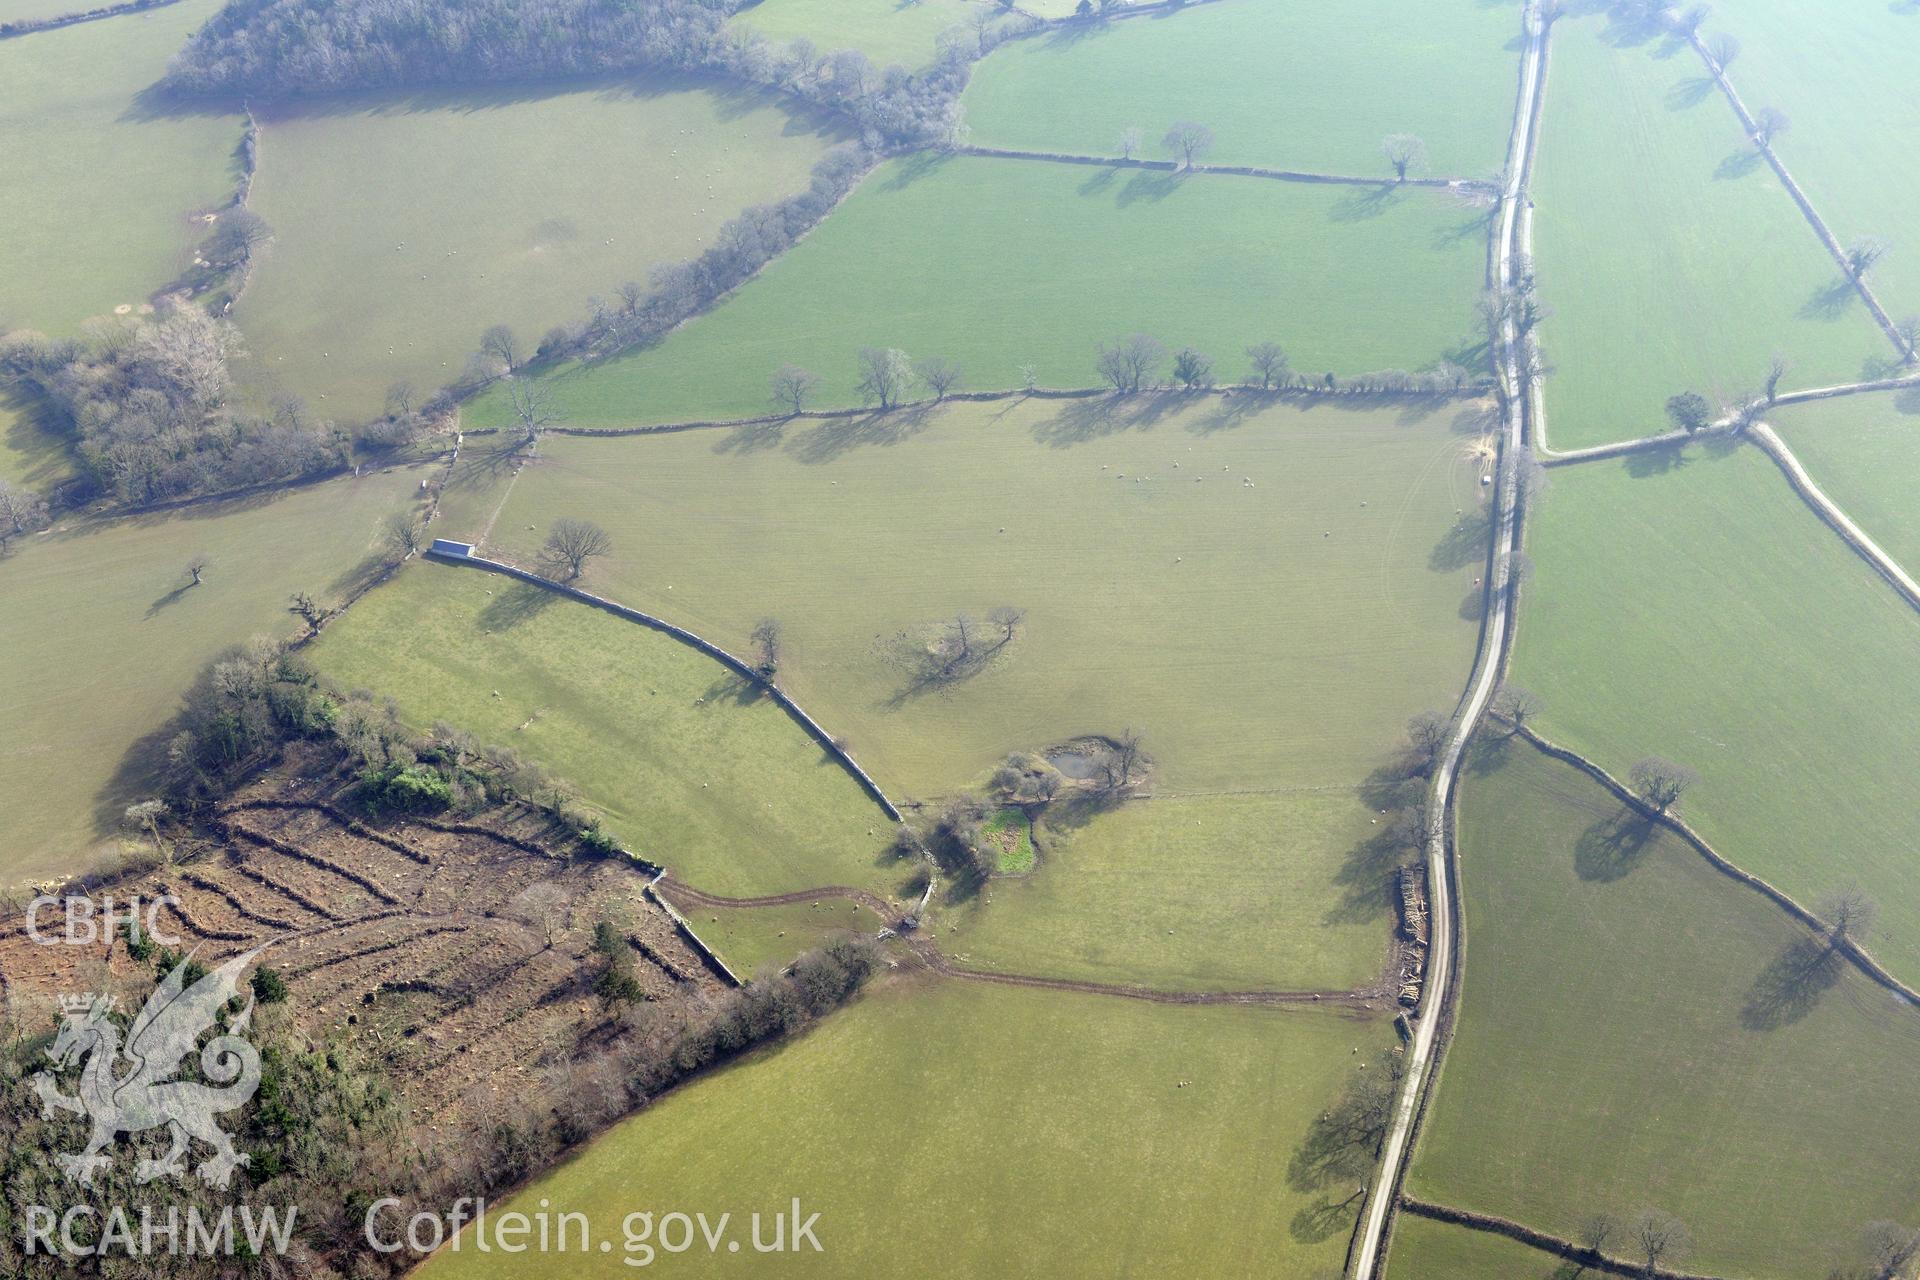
(148, 404)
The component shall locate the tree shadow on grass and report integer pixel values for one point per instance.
(1361, 204)
(1611, 848)
(171, 598)
(1830, 301)
(1690, 92)
(1655, 462)
(1788, 989)
(1148, 184)
(1096, 417)
(1392, 795)
(742, 692)
(752, 437)
(1464, 543)
(836, 437)
(1739, 164)
(517, 604)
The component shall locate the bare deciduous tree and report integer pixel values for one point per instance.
(1008, 619)
(1129, 142)
(499, 343)
(404, 532)
(1406, 153)
(1770, 124)
(400, 399)
(1597, 1231)
(1848, 913)
(1659, 782)
(21, 511)
(532, 403)
(1776, 370)
(307, 609)
(1908, 327)
(1269, 365)
(791, 387)
(1658, 1237)
(1863, 254)
(572, 543)
(1516, 705)
(940, 375)
(1188, 140)
(766, 646)
(1131, 363)
(885, 374)
(1723, 49)
(1428, 733)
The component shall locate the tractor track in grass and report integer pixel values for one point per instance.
(924, 949)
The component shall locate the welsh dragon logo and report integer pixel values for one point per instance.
(129, 1089)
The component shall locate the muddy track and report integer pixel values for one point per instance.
(683, 895)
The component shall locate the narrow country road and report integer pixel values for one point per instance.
(1516, 388)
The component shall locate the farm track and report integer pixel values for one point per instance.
(1223, 170)
(684, 896)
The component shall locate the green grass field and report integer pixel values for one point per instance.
(1672, 256)
(1287, 86)
(34, 10)
(1637, 1029)
(1843, 75)
(1271, 638)
(1863, 451)
(100, 181)
(1208, 893)
(1005, 1132)
(1269, 633)
(997, 264)
(1702, 613)
(1427, 1250)
(690, 769)
(887, 31)
(101, 637)
(405, 226)
(755, 940)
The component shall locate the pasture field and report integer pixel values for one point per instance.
(1863, 451)
(1265, 592)
(999, 264)
(887, 31)
(689, 767)
(1672, 256)
(1449, 75)
(35, 10)
(102, 635)
(100, 180)
(1427, 1250)
(1210, 893)
(1008, 1132)
(1704, 614)
(755, 940)
(406, 225)
(1621, 1000)
(1844, 77)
